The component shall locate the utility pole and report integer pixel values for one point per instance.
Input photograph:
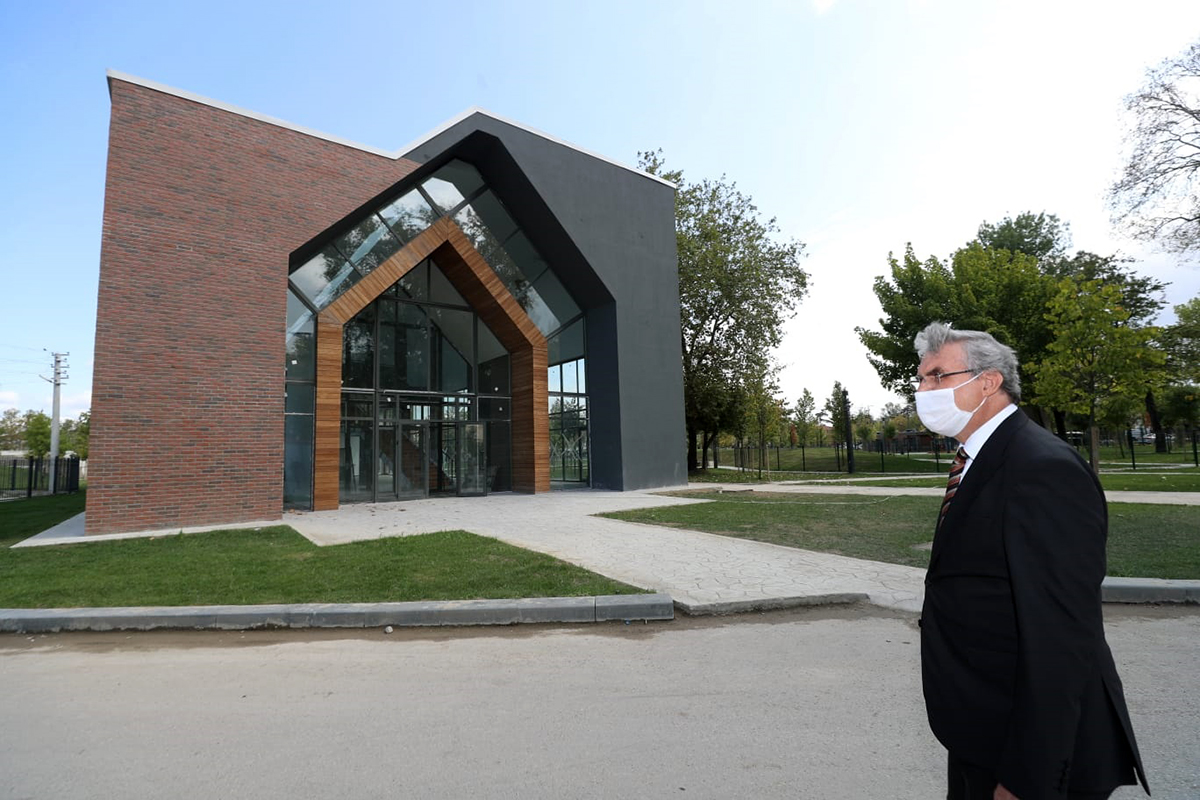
(60, 375)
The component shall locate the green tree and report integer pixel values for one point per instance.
(918, 293)
(1141, 296)
(12, 430)
(1095, 356)
(864, 428)
(764, 411)
(1118, 413)
(1001, 283)
(1004, 293)
(889, 431)
(1043, 236)
(835, 412)
(1181, 406)
(737, 286)
(73, 435)
(1156, 196)
(1182, 342)
(804, 416)
(37, 433)
(994, 290)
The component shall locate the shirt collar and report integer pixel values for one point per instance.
(976, 440)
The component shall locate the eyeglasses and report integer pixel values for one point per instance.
(936, 378)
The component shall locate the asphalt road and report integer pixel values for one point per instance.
(819, 704)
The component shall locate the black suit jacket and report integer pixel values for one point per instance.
(1017, 674)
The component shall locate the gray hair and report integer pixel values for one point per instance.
(982, 350)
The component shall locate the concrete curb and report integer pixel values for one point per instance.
(1150, 590)
(341, 615)
(770, 604)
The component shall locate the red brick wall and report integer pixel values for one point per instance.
(202, 207)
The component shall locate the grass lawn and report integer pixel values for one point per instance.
(20, 519)
(1139, 482)
(1113, 482)
(1147, 541)
(269, 565)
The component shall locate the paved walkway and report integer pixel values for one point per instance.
(703, 572)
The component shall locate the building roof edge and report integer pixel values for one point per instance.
(208, 101)
(445, 126)
(113, 74)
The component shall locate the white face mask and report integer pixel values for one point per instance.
(940, 414)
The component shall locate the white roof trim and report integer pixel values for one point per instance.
(445, 126)
(159, 87)
(396, 154)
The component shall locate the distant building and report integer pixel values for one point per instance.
(290, 321)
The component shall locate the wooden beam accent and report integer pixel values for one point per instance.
(361, 294)
(328, 416)
(483, 290)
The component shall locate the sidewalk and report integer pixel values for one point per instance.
(703, 573)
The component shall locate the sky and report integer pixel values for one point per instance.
(859, 126)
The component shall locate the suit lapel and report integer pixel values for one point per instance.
(984, 466)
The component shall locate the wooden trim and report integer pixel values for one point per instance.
(487, 295)
(361, 294)
(328, 413)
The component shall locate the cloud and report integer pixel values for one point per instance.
(72, 404)
(821, 6)
(9, 399)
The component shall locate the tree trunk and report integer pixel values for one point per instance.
(691, 437)
(1094, 447)
(1060, 424)
(1160, 441)
(706, 440)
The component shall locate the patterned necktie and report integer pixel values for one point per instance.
(956, 471)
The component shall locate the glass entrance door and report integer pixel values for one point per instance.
(443, 458)
(472, 459)
(412, 456)
(386, 473)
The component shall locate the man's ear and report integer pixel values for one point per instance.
(992, 381)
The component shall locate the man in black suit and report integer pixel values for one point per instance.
(1019, 682)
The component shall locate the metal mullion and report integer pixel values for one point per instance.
(468, 199)
(424, 194)
(568, 324)
(375, 403)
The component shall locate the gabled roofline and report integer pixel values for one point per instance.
(396, 154)
(447, 125)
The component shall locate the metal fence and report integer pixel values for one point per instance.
(26, 477)
(917, 453)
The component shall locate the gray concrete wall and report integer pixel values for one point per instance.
(609, 234)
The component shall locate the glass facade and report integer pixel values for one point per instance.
(413, 420)
(568, 423)
(428, 363)
(300, 372)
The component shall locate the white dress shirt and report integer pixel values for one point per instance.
(976, 440)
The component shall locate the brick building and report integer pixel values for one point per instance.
(287, 320)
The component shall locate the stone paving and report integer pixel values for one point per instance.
(704, 573)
